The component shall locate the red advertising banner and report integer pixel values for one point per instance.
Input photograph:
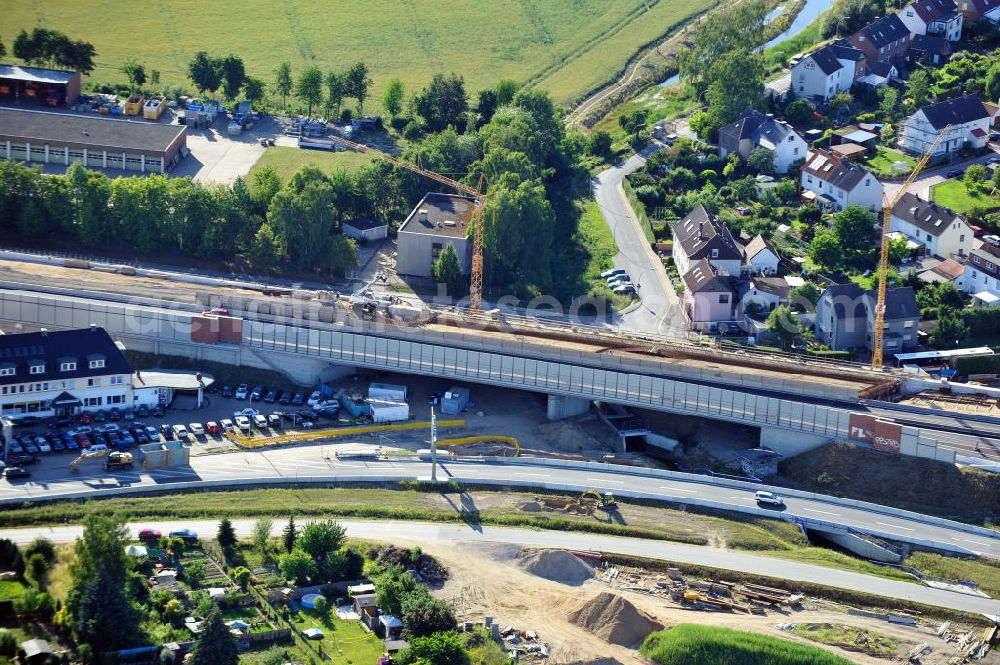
(862, 428)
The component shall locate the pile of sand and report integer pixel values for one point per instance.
(613, 619)
(556, 565)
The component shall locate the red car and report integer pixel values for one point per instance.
(83, 440)
(85, 418)
(149, 535)
(212, 428)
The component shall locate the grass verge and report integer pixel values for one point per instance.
(593, 234)
(709, 645)
(286, 161)
(848, 637)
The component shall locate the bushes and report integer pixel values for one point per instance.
(978, 365)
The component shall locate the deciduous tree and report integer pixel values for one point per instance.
(392, 100)
(310, 87)
(447, 270)
(442, 102)
(298, 566)
(283, 84)
(358, 83)
(205, 72)
(234, 75)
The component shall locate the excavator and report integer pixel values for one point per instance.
(117, 460)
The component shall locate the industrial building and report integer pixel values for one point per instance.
(63, 138)
(27, 85)
(438, 220)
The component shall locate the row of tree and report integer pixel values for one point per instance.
(209, 73)
(354, 83)
(51, 48)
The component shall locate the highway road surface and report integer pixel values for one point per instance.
(432, 535)
(660, 310)
(319, 462)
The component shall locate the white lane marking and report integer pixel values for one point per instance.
(740, 498)
(537, 475)
(677, 489)
(605, 481)
(974, 542)
(824, 512)
(895, 526)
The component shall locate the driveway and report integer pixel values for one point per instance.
(659, 309)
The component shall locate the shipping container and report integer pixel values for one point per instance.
(455, 400)
(388, 412)
(387, 391)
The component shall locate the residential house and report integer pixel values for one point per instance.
(834, 183)
(62, 373)
(933, 17)
(845, 318)
(942, 232)
(883, 40)
(982, 272)
(930, 49)
(752, 130)
(980, 10)
(699, 236)
(709, 299)
(763, 294)
(948, 270)
(967, 118)
(827, 71)
(759, 258)
(880, 74)
(437, 221)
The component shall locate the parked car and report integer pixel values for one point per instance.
(85, 418)
(625, 289)
(298, 399)
(142, 411)
(271, 396)
(242, 392)
(55, 423)
(274, 421)
(187, 535)
(248, 412)
(611, 273)
(955, 173)
(156, 411)
(243, 423)
(286, 398)
(22, 460)
(129, 414)
(315, 397)
(260, 422)
(227, 391)
(197, 429)
(180, 431)
(15, 472)
(213, 428)
(149, 535)
(98, 447)
(769, 499)
(257, 393)
(619, 279)
(115, 413)
(227, 424)
(100, 417)
(152, 433)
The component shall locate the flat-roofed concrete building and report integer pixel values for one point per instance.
(437, 221)
(64, 138)
(25, 85)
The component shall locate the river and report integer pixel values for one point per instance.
(810, 12)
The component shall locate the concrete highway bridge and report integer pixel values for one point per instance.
(796, 404)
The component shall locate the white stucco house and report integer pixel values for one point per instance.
(933, 17)
(827, 71)
(941, 231)
(833, 183)
(753, 129)
(759, 258)
(967, 118)
(699, 236)
(982, 272)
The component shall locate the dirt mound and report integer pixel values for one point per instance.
(613, 619)
(572, 437)
(556, 565)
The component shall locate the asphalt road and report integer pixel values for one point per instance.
(659, 310)
(431, 535)
(49, 481)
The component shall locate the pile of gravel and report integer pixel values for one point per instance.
(613, 619)
(557, 566)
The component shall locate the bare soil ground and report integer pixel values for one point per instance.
(488, 580)
(960, 403)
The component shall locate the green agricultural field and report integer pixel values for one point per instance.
(568, 48)
(286, 161)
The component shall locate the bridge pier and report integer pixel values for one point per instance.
(787, 442)
(565, 407)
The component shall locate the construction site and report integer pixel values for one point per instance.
(553, 606)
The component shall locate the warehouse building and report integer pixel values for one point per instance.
(26, 85)
(437, 221)
(64, 138)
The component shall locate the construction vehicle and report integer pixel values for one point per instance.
(606, 502)
(117, 461)
(476, 274)
(883, 263)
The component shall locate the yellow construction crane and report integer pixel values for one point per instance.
(878, 334)
(476, 277)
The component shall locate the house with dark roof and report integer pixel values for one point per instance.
(845, 318)
(699, 236)
(833, 183)
(980, 10)
(763, 293)
(930, 49)
(967, 119)
(939, 230)
(827, 71)
(709, 299)
(883, 40)
(759, 258)
(933, 17)
(982, 272)
(753, 129)
(63, 372)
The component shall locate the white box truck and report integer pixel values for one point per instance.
(388, 412)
